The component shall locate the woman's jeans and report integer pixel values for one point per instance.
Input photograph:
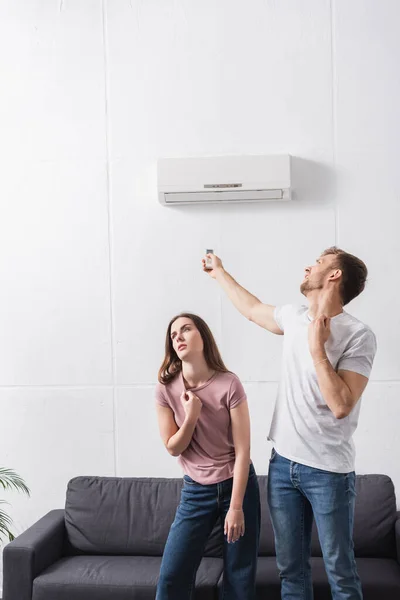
(197, 513)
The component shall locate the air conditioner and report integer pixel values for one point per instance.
(223, 179)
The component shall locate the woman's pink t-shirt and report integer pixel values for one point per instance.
(210, 456)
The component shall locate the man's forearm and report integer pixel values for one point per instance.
(239, 296)
(178, 442)
(334, 390)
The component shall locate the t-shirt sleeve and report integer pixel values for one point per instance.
(237, 395)
(359, 356)
(160, 396)
(281, 314)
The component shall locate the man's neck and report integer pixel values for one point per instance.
(323, 303)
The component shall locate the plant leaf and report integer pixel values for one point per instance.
(9, 480)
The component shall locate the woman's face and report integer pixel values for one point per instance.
(186, 338)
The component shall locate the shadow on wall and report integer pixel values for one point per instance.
(313, 182)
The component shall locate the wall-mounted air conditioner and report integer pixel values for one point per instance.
(223, 179)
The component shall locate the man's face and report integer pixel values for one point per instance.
(316, 276)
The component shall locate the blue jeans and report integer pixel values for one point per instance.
(296, 494)
(196, 515)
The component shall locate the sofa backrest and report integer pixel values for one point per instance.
(267, 544)
(116, 515)
(121, 515)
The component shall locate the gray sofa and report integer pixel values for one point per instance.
(108, 542)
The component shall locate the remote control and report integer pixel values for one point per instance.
(208, 260)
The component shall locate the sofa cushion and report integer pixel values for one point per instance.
(116, 577)
(380, 578)
(374, 518)
(125, 516)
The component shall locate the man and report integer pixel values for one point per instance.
(327, 360)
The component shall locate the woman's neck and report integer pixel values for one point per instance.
(196, 373)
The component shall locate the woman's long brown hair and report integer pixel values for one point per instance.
(172, 365)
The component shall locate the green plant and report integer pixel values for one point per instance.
(9, 480)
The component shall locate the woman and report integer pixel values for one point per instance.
(204, 420)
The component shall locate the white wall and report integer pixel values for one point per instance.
(92, 267)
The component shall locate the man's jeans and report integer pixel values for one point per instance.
(295, 494)
(197, 513)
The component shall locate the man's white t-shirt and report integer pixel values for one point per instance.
(303, 427)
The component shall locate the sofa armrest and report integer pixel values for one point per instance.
(30, 553)
(397, 533)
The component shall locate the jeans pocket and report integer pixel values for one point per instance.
(189, 480)
(351, 484)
